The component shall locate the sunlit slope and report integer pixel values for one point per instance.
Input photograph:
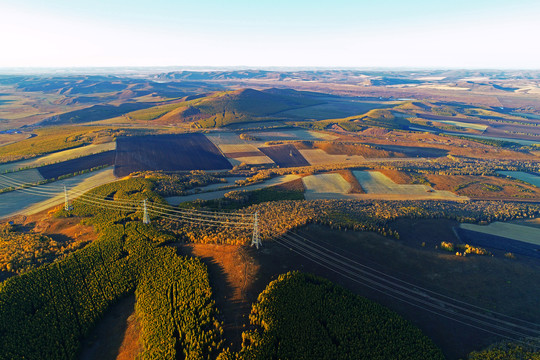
(228, 107)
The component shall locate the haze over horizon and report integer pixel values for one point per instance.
(414, 34)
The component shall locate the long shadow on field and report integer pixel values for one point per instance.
(231, 270)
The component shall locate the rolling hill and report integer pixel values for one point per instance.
(228, 107)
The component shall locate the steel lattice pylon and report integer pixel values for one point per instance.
(146, 218)
(256, 240)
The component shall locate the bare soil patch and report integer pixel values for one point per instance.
(59, 229)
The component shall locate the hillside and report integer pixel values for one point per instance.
(224, 108)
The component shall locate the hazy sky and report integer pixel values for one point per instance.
(338, 33)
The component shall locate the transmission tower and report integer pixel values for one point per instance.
(67, 207)
(146, 218)
(256, 240)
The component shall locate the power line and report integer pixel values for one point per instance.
(414, 286)
(410, 299)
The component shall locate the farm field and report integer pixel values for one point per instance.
(320, 157)
(238, 148)
(59, 156)
(326, 186)
(38, 198)
(523, 176)
(30, 176)
(73, 166)
(244, 153)
(285, 155)
(224, 138)
(522, 233)
(168, 153)
(374, 182)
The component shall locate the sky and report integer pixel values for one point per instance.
(495, 34)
